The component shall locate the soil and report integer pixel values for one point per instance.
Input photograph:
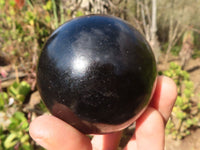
(191, 142)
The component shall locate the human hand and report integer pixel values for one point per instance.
(54, 134)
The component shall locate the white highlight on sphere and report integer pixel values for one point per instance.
(80, 65)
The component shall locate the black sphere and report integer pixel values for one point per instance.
(96, 73)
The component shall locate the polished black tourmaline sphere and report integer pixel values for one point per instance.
(96, 73)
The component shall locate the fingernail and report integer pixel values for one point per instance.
(41, 142)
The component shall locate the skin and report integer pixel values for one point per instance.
(52, 133)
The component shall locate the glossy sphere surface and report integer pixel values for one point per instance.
(97, 73)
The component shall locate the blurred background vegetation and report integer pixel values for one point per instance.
(171, 27)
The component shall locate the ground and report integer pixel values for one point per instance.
(191, 142)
